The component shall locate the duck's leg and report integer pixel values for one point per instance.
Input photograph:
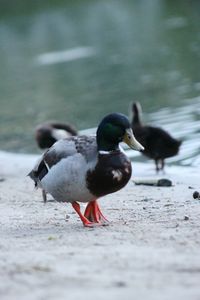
(94, 214)
(89, 212)
(98, 212)
(44, 196)
(157, 165)
(162, 164)
(85, 221)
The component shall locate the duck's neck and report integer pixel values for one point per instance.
(136, 120)
(104, 145)
(136, 115)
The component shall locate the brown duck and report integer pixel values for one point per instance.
(48, 133)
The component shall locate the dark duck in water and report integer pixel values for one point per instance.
(158, 144)
(85, 168)
(48, 133)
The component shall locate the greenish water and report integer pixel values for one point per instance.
(147, 50)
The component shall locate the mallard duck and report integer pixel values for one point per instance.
(85, 168)
(48, 133)
(158, 143)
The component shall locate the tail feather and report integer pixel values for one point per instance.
(38, 172)
(137, 111)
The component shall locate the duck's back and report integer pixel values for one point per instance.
(61, 170)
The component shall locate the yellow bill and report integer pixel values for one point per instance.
(131, 141)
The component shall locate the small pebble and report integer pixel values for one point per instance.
(120, 284)
(196, 195)
(164, 182)
(168, 204)
(146, 199)
(51, 238)
(186, 218)
(67, 217)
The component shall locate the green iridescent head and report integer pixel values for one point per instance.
(112, 130)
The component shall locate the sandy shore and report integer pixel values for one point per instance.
(151, 250)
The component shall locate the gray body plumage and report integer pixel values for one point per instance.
(64, 167)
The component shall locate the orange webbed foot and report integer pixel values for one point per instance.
(93, 216)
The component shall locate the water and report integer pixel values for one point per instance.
(76, 61)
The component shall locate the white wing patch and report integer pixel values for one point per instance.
(117, 174)
(59, 134)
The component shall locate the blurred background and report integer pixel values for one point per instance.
(75, 61)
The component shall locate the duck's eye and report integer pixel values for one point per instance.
(129, 137)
